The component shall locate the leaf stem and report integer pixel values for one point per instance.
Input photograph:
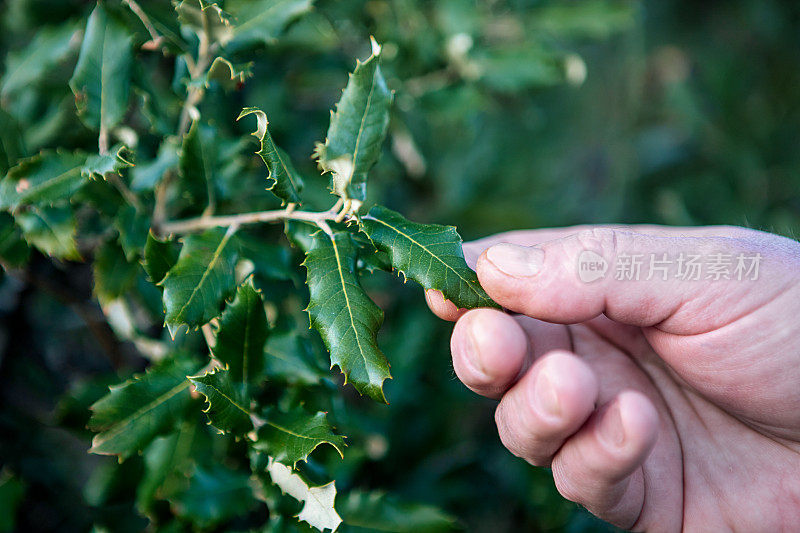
(139, 12)
(193, 98)
(102, 140)
(123, 189)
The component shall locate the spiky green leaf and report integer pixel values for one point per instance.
(133, 226)
(226, 74)
(291, 436)
(198, 165)
(43, 179)
(51, 230)
(288, 357)
(102, 78)
(283, 180)
(262, 21)
(97, 166)
(11, 146)
(114, 275)
(214, 495)
(377, 511)
(429, 254)
(135, 412)
(146, 175)
(344, 315)
(14, 251)
(204, 17)
(159, 257)
(241, 336)
(203, 277)
(49, 47)
(357, 129)
(227, 408)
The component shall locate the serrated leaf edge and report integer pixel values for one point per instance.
(350, 314)
(405, 277)
(103, 437)
(208, 400)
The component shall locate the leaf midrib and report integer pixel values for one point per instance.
(364, 118)
(211, 264)
(106, 436)
(34, 191)
(410, 238)
(347, 303)
(230, 400)
(240, 28)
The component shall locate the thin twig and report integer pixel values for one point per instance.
(193, 98)
(201, 223)
(123, 189)
(139, 12)
(102, 140)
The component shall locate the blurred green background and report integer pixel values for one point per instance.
(508, 114)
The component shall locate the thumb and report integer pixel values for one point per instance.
(633, 278)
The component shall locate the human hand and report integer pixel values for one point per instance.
(662, 404)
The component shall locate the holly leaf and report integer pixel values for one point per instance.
(289, 358)
(241, 336)
(217, 22)
(159, 257)
(357, 129)
(203, 277)
(377, 511)
(51, 230)
(228, 409)
(198, 163)
(49, 47)
(283, 180)
(43, 179)
(262, 21)
(145, 176)
(291, 436)
(318, 508)
(114, 275)
(133, 227)
(136, 411)
(102, 78)
(99, 165)
(429, 254)
(14, 251)
(344, 315)
(214, 495)
(270, 260)
(226, 74)
(11, 145)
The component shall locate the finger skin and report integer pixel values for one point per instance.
(489, 349)
(599, 467)
(444, 309)
(548, 404)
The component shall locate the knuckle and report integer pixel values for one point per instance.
(519, 435)
(601, 240)
(564, 485)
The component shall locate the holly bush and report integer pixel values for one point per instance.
(188, 186)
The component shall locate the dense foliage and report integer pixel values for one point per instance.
(130, 181)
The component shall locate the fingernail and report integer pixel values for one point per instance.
(514, 260)
(545, 396)
(471, 351)
(611, 428)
